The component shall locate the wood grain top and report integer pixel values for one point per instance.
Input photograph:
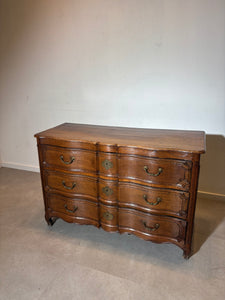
(152, 139)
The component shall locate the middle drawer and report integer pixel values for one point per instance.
(148, 199)
(79, 185)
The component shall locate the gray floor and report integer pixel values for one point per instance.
(69, 261)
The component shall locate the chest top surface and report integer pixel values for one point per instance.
(152, 139)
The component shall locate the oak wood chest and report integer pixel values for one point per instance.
(140, 181)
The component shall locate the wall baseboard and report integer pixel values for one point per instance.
(211, 196)
(31, 168)
(20, 166)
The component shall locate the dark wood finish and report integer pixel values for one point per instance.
(145, 225)
(70, 159)
(158, 201)
(152, 139)
(140, 181)
(108, 191)
(107, 165)
(175, 173)
(108, 217)
(73, 210)
(71, 185)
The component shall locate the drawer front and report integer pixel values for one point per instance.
(167, 173)
(161, 201)
(107, 164)
(69, 159)
(73, 207)
(108, 191)
(147, 224)
(108, 217)
(81, 186)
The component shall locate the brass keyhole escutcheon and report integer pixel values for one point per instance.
(107, 190)
(107, 164)
(108, 216)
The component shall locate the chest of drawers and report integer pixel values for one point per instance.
(140, 181)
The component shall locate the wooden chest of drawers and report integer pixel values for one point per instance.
(140, 181)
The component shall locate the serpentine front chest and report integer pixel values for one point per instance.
(140, 181)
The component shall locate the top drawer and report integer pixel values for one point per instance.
(167, 173)
(69, 159)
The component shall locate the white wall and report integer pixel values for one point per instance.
(141, 63)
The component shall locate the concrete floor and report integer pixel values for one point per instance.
(69, 261)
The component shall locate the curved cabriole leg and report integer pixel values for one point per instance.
(187, 253)
(50, 220)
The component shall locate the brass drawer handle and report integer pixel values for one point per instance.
(68, 187)
(107, 190)
(69, 210)
(108, 216)
(152, 174)
(154, 228)
(67, 162)
(107, 164)
(158, 200)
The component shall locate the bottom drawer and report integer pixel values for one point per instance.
(72, 209)
(108, 217)
(145, 225)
